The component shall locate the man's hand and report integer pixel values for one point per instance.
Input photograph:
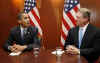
(20, 47)
(72, 50)
(17, 48)
(13, 49)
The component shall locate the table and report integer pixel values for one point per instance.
(44, 56)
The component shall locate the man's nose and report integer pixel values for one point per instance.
(27, 19)
(77, 19)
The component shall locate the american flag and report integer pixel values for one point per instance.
(31, 9)
(69, 17)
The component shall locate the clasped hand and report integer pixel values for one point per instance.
(72, 50)
(17, 48)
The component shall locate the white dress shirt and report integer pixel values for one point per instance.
(81, 33)
(23, 31)
(84, 29)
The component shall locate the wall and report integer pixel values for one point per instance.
(50, 13)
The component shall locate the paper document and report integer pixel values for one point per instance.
(14, 54)
(57, 52)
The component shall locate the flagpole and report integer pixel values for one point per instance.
(43, 46)
(58, 13)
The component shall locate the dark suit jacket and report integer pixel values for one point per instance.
(29, 40)
(90, 43)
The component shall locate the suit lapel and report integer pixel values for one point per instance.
(27, 33)
(19, 33)
(76, 36)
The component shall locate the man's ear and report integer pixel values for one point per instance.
(19, 21)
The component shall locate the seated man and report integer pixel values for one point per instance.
(84, 39)
(22, 37)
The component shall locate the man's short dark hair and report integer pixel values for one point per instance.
(19, 16)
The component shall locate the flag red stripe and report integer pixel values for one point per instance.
(68, 20)
(63, 35)
(75, 8)
(71, 18)
(36, 17)
(40, 35)
(31, 22)
(62, 45)
(65, 24)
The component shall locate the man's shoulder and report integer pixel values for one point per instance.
(15, 28)
(33, 28)
(93, 27)
(74, 28)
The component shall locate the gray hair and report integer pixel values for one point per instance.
(86, 13)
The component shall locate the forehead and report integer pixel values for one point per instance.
(79, 13)
(25, 15)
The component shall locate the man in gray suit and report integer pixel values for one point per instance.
(22, 37)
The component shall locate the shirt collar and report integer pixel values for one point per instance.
(84, 27)
(23, 28)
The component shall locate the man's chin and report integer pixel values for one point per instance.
(26, 25)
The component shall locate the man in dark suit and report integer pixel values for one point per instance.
(22, 37)
(84, 39)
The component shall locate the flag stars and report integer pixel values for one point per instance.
(71, 6)
(67, 1)
(34, 1)
(76, 2)
(26, 8)
(29, 8)
(29, 4)
(72, 1)
(32, 4)
(26, 3)
(66, 9)
(66, 5)
(25, 11)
